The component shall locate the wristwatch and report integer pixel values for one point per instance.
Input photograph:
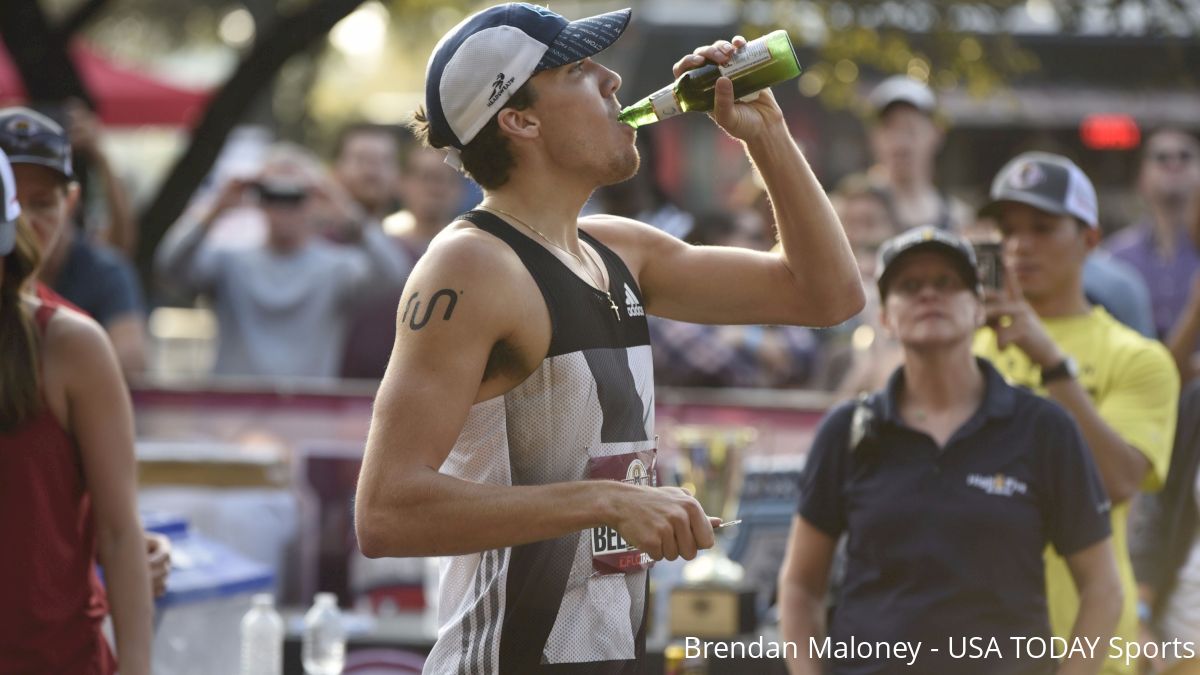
(1062, 370)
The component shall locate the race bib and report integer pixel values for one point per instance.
(611, 554)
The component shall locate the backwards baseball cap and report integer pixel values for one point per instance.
(926, 237)
(1044, 181)
(9, 207)
(902, 89)
(30, 137)
(477, 67)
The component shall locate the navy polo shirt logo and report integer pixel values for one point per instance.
(997, 484)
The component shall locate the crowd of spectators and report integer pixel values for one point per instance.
(345, 237)
(303, 266)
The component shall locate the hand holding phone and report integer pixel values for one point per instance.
(990, 264)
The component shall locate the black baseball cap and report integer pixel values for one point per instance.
(30, 137)
(927, 237)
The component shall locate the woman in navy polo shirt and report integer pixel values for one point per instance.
(949, 484)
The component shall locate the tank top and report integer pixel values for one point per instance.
(543, 607)
(53, 604)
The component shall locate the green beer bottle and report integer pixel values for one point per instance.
(761, 63)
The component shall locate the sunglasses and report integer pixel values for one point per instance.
(1165, 157)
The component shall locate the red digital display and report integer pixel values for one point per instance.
(1110, 132)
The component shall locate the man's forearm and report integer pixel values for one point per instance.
(1121, 466)
(122, 233)
(176, 254)
(384, 257)
(435, 514)
(815, 247)
(1182, 340)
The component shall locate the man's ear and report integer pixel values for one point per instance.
(519, 123)
(1091, 237)
(73, 193)
(885, 320)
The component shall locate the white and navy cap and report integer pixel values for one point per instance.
(902, 89)
(482, 61)
(9, 207)
(1044, 181)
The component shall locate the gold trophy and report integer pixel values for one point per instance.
(713, 601)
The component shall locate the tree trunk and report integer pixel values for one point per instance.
(40, 52)
(287, 37)
(80, 17)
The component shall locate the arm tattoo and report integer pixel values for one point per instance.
(414, 304)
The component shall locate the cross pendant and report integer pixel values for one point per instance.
(613, 306)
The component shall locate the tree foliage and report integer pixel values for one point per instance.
(969, 45)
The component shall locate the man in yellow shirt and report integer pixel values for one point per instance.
(1121, 388)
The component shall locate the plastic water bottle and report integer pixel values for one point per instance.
(324, 647)
(262, 638)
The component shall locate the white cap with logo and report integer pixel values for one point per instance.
(1048, 182)
(485, 59)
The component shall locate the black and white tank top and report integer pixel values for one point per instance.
(542, 607)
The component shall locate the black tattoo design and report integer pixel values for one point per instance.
(414, 304)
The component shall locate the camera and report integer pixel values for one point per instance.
(279, 193)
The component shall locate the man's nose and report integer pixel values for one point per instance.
(611, 80)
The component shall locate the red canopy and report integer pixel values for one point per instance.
(123, 97)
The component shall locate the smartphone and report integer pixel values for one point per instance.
(990, 264)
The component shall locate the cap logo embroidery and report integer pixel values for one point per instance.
(19, 127)
(1027, 176)
(499, 86)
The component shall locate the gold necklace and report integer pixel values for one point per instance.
(601, 286)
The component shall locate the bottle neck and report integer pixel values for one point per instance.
(665, 103)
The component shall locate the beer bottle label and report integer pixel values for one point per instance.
(751, 56)
(664, 103)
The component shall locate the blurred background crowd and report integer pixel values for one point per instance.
(310, 152)
(246, 204)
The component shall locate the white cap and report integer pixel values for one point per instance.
(485, 59)
(903, 89)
